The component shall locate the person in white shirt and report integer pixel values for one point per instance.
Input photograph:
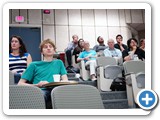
(111, 51)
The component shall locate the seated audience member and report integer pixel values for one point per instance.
(101, 47)
(111, 51)
(133, 52)
(119, 45)
(40, 73)
(142, 44)
(19, 59)
(71, 46)
(78, 49)
(89, 57)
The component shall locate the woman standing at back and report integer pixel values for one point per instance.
(19, 59)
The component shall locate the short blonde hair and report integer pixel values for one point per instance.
(45, 42)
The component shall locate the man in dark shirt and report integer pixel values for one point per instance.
(119, 45)
(101, 46)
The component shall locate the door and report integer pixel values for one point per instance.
(31, 38)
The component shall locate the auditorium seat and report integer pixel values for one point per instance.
(25, 97)
(76, 97)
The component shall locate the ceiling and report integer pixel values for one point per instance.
(137, 26)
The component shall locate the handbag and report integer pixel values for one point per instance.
(118, 84)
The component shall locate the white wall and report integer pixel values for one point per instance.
(88, 24)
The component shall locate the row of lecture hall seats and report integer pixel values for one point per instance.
(63, 97)
(85, 96)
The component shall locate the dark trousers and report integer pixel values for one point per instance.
(69, 57)
(47, 97)
(17, 77)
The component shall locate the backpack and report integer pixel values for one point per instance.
(118, 84)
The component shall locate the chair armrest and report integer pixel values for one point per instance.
(128, 80)
(129, 73)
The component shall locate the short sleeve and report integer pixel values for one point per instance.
(63, 69)
(29, 73)
(81, 55)
(94, 53)
(26, 54)
(106, 53)
(95, 48)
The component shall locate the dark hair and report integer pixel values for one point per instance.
(141, 41)
(79, 42)
(129, 41)
(119, 36)
(98, 38)
(22, 48)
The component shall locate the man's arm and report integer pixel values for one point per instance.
(64, 78)
(29, 59)
(95, 48)
(106, 53)
(129, 56)
(24, 82)
(119, 53)
(121, 46)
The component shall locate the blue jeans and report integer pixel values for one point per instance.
(17, 77)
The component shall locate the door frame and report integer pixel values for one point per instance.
(29, 26)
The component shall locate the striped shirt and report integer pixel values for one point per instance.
(18, 64)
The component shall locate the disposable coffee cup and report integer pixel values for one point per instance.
(56, 78)
(78, 75)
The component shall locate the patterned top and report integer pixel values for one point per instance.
(18, 64)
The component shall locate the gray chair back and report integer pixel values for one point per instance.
(76, 97)
(134, 67)
(112, 71)
(11, 78)
(26, 97)
(104, 61)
